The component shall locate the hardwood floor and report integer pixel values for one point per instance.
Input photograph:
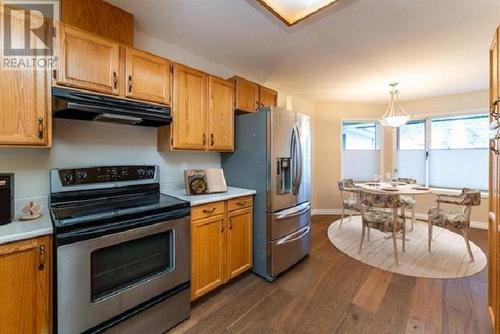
(329, 292)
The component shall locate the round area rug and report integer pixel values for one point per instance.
(448, 259)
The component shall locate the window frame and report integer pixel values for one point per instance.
(379, 149)
(428, 142)
(378, 134)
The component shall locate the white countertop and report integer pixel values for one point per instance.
(232, 192)
(20, 230)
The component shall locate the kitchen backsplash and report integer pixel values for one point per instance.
(78, 143)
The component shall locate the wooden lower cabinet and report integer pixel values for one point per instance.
(239, 241)
(207, 252)
(221, 244)
(25, 289)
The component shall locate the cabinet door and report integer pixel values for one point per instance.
(494, 194)
(239, 242)
(189, 110)
(221, 115)
(25, 101)
(246, 95)
(148, 77)
(87, 61)
(207, 254)
(268, 97)
(25, 287)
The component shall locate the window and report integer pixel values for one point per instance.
(360, 150)
(446, 152)
(411, 154)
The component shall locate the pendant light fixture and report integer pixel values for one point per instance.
(395, 116)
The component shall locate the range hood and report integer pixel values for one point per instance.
(73, 104)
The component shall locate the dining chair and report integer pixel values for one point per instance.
(409, 201)
(458, 219)
(349, 194)
(374, 215)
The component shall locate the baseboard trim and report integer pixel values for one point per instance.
(319, 212)
(420, 216)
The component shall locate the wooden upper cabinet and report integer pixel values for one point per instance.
(189, 110)
(268, 97)
(25, 99)
(99, 17)
(239, 242)
(207, 248)
(221, 114)
(25, 286)
(87, 61)
(246, 95)
(148, 76)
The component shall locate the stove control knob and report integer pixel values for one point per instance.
(150, 173)
(82, 174)
(141, 172)
(68, 177)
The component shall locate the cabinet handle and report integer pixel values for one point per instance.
(241, 203)
(209, 210)
(40, 127)
(204, 139)
(222, 227)
(41, 265)
(130, 83)
(230, 224)
(115, 80)
(212, 139)
(257, 104)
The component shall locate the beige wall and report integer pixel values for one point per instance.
(327, 152)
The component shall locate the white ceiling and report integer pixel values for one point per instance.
(348, 52)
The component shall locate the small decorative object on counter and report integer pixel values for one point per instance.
(216, 182)
(32, 210)
(6, 198)
(205, 181)
(195, 182)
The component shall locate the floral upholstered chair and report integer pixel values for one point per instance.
(374, 214)
(459, 219)
(350, 198)
(409, 201)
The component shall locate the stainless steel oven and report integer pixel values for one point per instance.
(104, 277)
(122, 259)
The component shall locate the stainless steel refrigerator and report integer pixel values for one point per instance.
(273, 156)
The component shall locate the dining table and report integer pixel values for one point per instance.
(395, 188)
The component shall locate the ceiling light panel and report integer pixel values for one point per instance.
(293, 11)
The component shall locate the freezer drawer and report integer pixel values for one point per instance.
(287, 221)
(287, 251)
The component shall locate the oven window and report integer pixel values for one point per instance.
(120, 266)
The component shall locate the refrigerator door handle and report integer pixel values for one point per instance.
(295, 154)
(299, 158)
(294, 236)
(293, 159)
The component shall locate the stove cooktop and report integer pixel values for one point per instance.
(80, 212)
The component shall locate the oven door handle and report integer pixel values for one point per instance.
(105, 229)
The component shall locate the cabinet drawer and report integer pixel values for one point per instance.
(239, 203)
(207, 210)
